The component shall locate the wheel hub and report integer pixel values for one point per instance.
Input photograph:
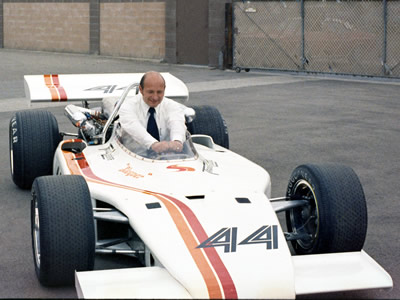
(305, 220)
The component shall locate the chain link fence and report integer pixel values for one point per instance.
(341, 36)
(392, 58)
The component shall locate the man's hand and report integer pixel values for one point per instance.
(175, 146)
(160, 147)
(164, 146)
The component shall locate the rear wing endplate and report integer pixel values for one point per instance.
(92, 87)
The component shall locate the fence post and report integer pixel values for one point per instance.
(94, 27)
(1, 25)
(385, 67)
(303, 55)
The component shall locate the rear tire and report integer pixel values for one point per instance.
(209, 121)
(33, 139)
(62, 228)
(336, 218)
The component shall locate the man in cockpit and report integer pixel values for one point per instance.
(152, 120)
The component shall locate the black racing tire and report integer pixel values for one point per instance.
(62, 228)
(209, 121)
(33, 139)
(336, 218)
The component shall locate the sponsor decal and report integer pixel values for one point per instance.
(181, 168)
(106, 89)
(128, 171)
(227, 238)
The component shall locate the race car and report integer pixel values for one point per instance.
(201, 222)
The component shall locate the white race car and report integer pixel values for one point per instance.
(201, 222)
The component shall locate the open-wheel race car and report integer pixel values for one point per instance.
(201, 222)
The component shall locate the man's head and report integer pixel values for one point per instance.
(152, 87)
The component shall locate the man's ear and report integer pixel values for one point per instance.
(140, 89)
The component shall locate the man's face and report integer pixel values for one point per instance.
(153, 90)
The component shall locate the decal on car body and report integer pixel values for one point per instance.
(129, 172)
(180, 168)
(56, 90)
(107, 89)
(227, 238)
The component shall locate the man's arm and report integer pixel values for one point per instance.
(176, 122)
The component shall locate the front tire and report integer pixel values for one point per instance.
(33, 139)
(335, 219)
(62, 228)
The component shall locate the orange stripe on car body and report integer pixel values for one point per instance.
(56, 90)
(219, 267)
(181, 168)
(60, 89)
(213, 286)
(207, 260)
(53, 90)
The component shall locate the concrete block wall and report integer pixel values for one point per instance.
(130, 28)
(46, 26)
(133, 29)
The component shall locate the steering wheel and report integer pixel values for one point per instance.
(168, 155)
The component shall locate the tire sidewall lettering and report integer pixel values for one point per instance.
(14, 130)
(297, 176)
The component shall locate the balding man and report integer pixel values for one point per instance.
(151, 119)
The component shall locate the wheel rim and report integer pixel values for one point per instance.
(36, 234)
(305, 220)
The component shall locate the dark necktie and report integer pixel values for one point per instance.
(152, 125)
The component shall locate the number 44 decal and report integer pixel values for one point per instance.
(227, 238)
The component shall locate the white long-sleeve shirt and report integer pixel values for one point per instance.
(133, 117)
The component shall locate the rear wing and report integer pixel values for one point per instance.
(92, 87)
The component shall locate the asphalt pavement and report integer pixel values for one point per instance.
(278, 120)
